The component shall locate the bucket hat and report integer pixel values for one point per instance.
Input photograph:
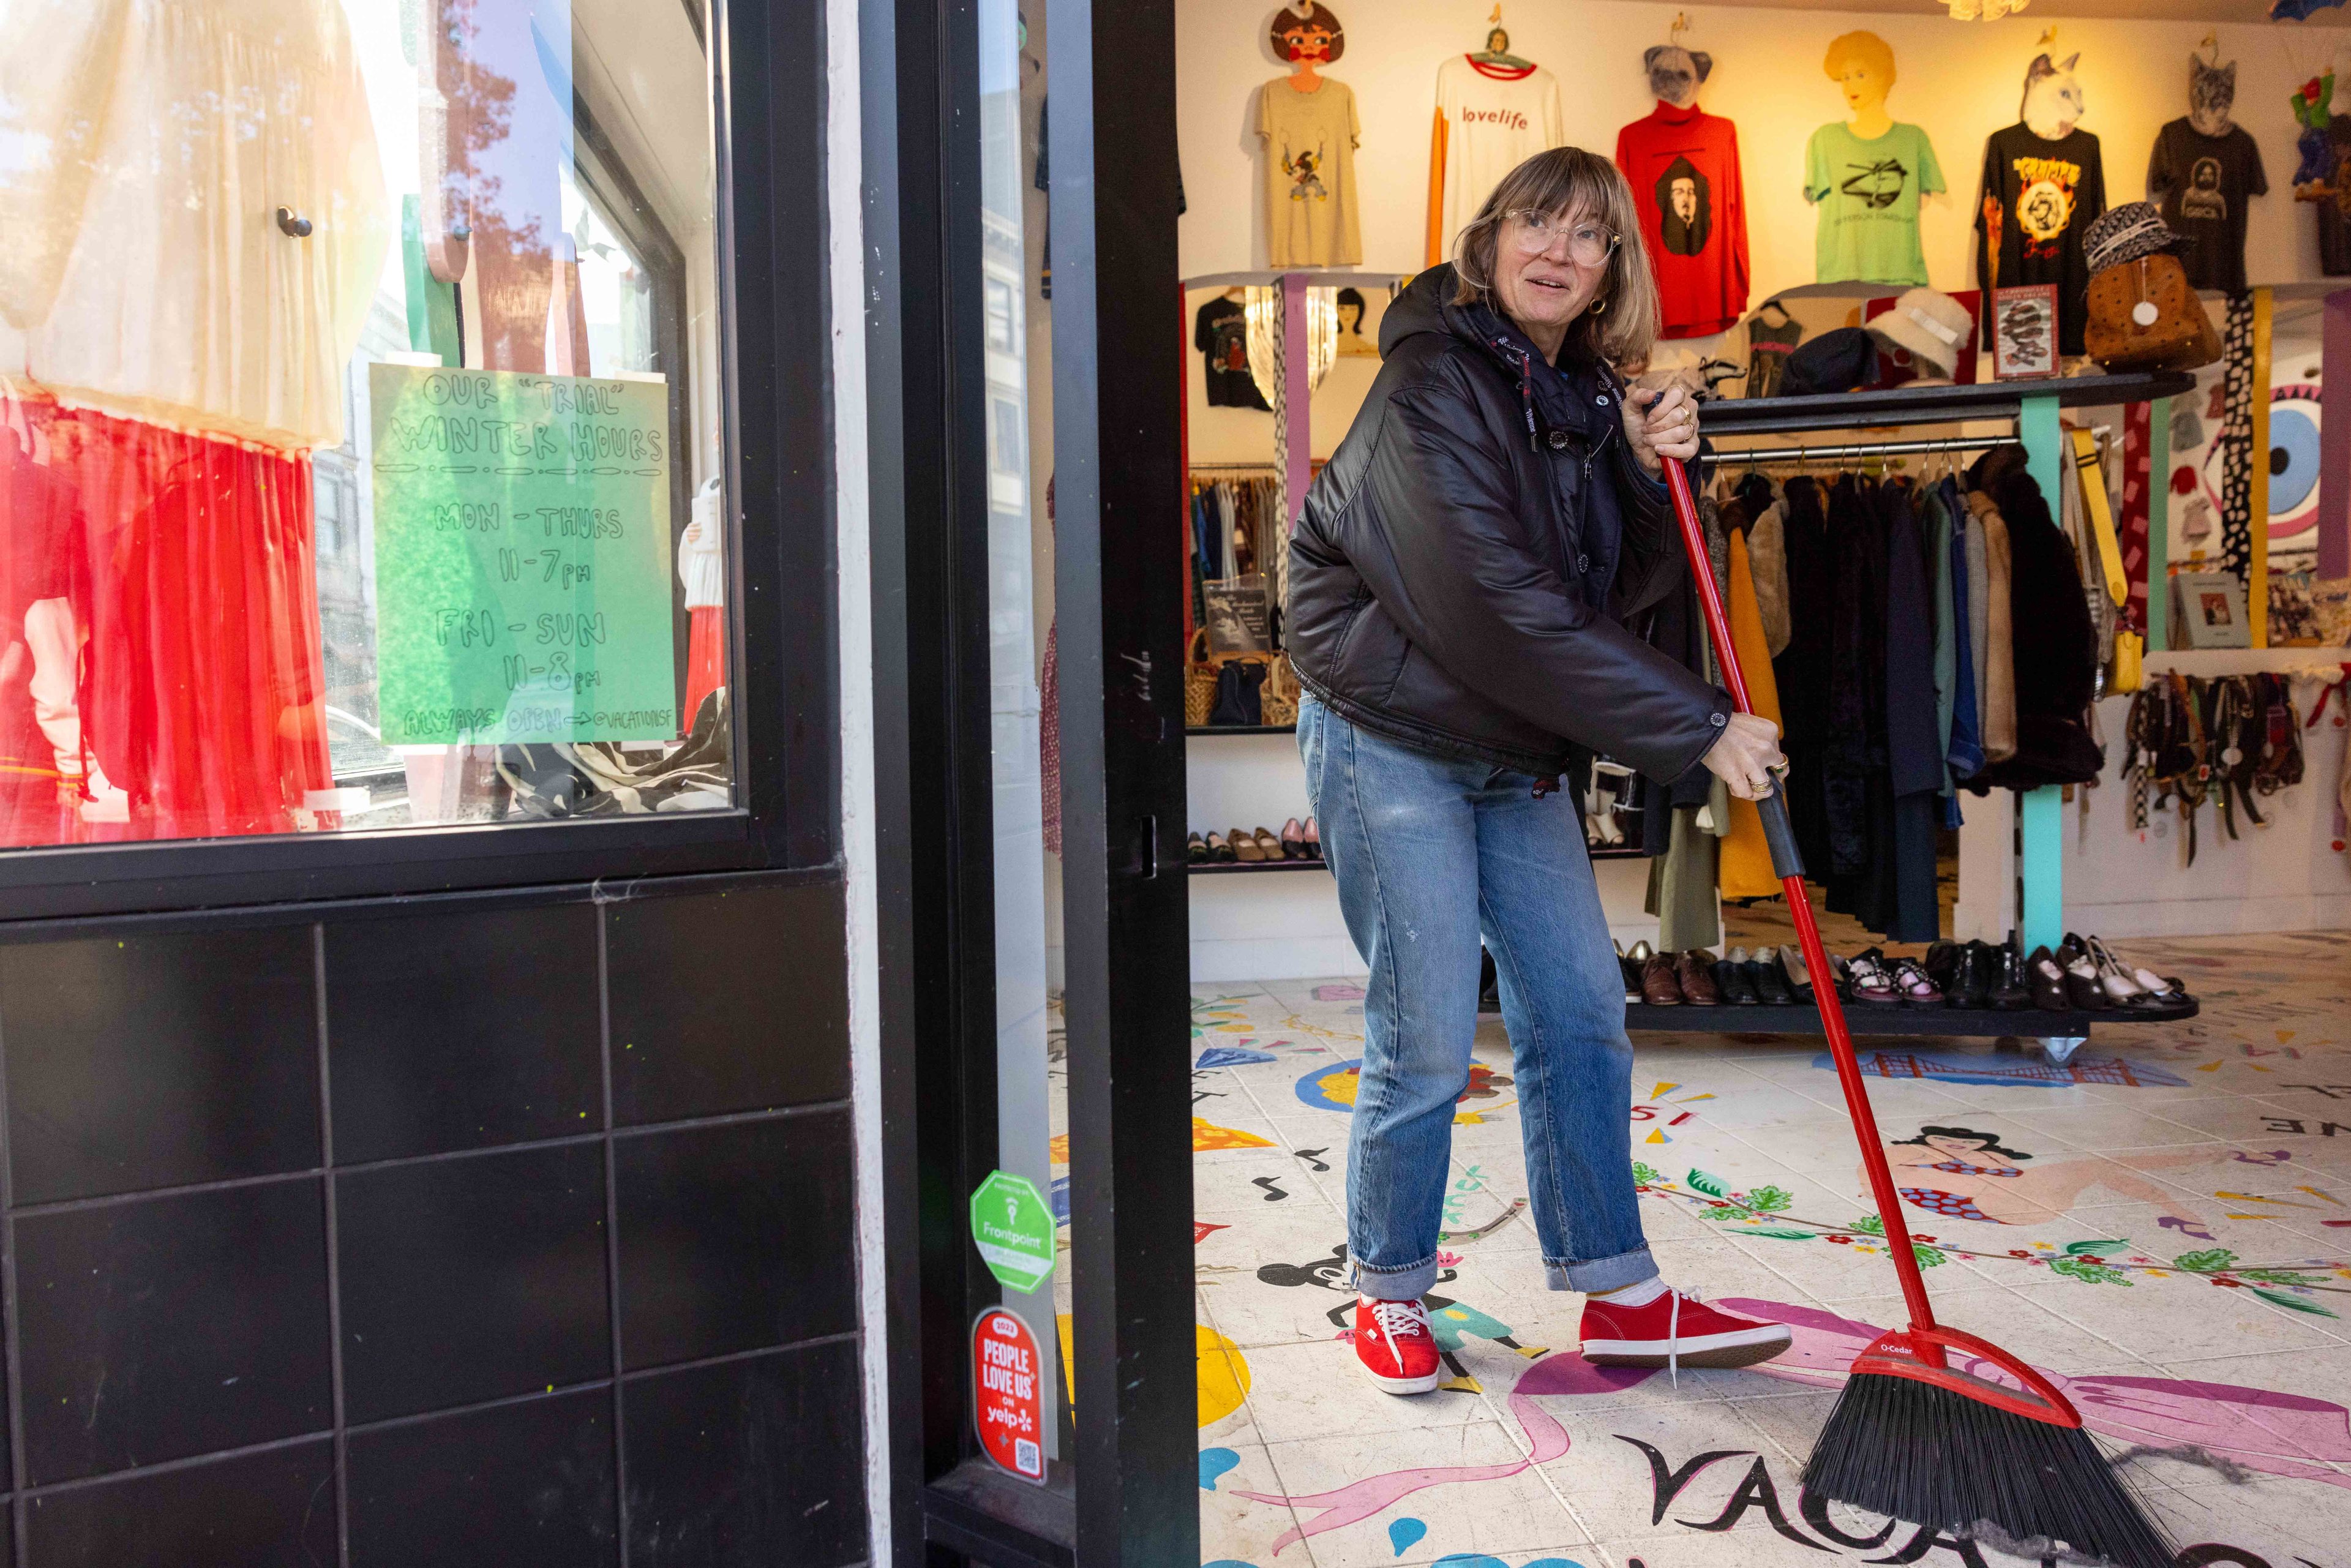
(1931, 326)
(2127, 233)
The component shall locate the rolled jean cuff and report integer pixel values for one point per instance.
(1601, 1273)
(1408, 1283)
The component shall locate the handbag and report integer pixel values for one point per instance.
(2143, 316)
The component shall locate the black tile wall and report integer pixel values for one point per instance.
(271, 1510)
(150, 1060)
(748, 1463)
(734, 1237)
(172, 1326)
(527, 1485)
(467, 1280)
(711, 1008)
(463, 1031)
(429, 1291)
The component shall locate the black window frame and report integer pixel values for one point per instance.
(766, 78)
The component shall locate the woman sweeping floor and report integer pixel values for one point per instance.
(1455, 586)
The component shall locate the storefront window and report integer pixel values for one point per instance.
(359, 443)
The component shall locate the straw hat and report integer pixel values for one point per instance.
(1931, 326)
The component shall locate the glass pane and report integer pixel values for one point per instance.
(359, 458)
(1032, 1128)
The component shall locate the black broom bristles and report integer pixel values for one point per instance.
(1931, 1456)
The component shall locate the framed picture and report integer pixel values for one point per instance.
(1238, 621)
(2208, 611)
(2025, 332)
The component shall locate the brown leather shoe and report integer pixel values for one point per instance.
(1658, 987)
(1694, 967)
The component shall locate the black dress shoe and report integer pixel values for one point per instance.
(1195, 850)
(1977, 967)
(1732, 980)
(1771, 980)
(2009, 990)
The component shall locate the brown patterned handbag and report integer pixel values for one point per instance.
(2145, 317)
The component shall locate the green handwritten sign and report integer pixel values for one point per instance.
(522, 558)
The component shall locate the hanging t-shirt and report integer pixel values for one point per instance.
(1683, 166)
(2205, 182)
(1868, 191)
(2039, 198)
(1221, 331)
(1490, 120)
(1310, 175)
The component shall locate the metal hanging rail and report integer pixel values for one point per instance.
(1774, 456)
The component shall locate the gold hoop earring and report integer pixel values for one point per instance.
(1598, 306)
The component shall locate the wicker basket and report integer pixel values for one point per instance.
(1200, 695)
(1279, 697)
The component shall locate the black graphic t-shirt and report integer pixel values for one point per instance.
(1221, 331)
(2204, 183)
(2039, 198)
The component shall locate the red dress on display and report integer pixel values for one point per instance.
(169, 356)
(1683, 166)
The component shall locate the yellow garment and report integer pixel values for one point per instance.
(143, 270)
(1310, 175)
(1746, 871)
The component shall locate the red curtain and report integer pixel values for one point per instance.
(188, 565)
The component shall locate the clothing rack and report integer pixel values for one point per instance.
(2033, 405)
(1231, 468)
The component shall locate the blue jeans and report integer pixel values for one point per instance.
(1431, 852)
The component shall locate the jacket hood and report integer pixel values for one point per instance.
(1427, 308)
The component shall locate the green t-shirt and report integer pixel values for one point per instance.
(1868, 193)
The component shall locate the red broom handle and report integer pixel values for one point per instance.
(1781, 834)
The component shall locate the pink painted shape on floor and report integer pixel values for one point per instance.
(1562, 1372)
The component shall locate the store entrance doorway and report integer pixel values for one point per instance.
(1025, 408)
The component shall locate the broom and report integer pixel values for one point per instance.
(1912, 1436)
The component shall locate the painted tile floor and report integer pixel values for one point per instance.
(2179, 1249)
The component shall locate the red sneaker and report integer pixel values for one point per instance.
(1676, 1329)
(1392, 1342)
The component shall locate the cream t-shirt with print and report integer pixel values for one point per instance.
(1310, 175)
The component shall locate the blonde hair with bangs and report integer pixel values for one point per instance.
(1571, 182)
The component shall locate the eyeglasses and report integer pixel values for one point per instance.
(1588, 244)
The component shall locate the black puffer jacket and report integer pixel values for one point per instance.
(1459, 577)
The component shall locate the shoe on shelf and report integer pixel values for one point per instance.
(1870, 980)
(1799, 978)
(2047, 981)
(1676, 1330)
(1659, 988)
(1911, 984)
(1694, 972)
(1769, 981)
(2116, 980)
(1245, 847)
(1293, 841)
(1218, 850)
(1313, 840)
(1978, 965)
(2081, 987)
(1268, 845)
(1394, 1346)
(1735, 982)
(1632, 970)
(1196, 852)
(2008, 988)
(1943, 963)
